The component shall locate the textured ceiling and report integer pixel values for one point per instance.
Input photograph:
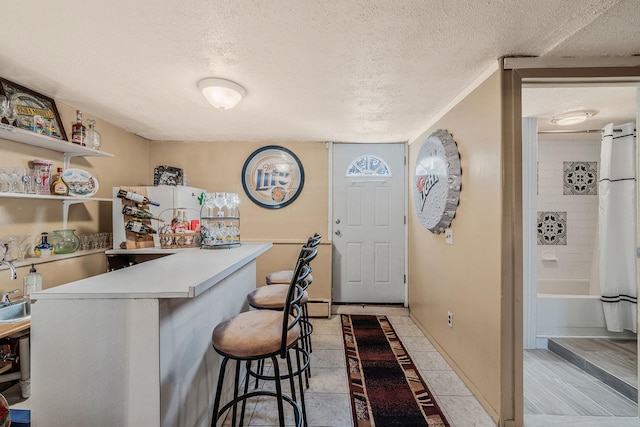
(341, 70)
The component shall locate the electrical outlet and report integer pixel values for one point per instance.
(450, 319)
(448, 236)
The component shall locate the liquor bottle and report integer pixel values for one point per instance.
(139, 213)
(139, 227)
(179, 224)
(58, 186)
(78, 131)
(138, 198)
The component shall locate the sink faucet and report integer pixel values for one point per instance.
(5, 297)
(14, 274)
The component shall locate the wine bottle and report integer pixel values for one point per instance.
(139, 227)
(138, 198)
(139, 213)
(58, 186)
(78, 130)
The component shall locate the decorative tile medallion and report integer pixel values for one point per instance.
(580, 178)
(552, 228)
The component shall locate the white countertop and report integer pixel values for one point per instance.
(185, 274)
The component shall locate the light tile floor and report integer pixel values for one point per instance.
(328, 401)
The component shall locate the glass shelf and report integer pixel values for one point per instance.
(69, 149)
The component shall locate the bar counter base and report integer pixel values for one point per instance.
(131, 361)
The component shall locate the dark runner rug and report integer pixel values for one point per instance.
(386, 388)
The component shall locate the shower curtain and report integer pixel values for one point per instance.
(616, 239)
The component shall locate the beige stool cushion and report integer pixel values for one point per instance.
(272, 297)
(252, 334)
(283, 277)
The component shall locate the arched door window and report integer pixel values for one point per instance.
(368, 166)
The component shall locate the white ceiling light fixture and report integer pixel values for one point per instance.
(573, 117)
(221, 93)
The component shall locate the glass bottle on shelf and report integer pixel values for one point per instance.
(78, 130)
(135, 197)
(139, 213)
(93, 138)
(58, 186)
(139, 227)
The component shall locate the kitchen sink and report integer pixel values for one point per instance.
(18, 311)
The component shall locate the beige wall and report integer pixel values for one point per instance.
(129, 166)
(217, 166)
(464, 278)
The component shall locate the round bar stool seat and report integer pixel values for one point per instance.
(252, 334)
(283, 277)
(272, 297)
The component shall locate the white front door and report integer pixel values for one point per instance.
(369, 223)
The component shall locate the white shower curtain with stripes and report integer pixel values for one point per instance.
(617, 227)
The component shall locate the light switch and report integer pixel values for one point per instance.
(448, 236)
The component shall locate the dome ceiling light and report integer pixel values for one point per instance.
(573, 117)
(221, 93)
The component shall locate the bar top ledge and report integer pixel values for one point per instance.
(185, 274)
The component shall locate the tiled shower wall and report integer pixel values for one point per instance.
(574, 259)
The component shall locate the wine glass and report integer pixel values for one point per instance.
(219, 200)
(232, 203)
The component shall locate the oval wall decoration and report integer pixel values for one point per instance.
(436, 183)
(272, 177)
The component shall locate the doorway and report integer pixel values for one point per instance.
(596, 78)
(368, 223)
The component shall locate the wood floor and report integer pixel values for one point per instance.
(555, 386)
(613, 361)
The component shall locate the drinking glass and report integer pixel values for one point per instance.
(232, 203)
(93, 241)
(15, 181)
(4, 180)
(219, 200)
(27, 181)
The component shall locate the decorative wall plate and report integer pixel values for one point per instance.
(272, 177)
(81, 183)
(436, 189)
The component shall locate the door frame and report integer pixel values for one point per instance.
(515, 70)
(330, 145)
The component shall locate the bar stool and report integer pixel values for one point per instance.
(283, 277)
(273, 298)
(259, 335)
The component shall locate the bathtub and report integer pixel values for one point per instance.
(564, 308)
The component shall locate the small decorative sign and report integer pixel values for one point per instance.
(272, 177)
(36, 112)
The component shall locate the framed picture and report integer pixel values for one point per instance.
(36, 112)
(167, 175)
(272, 177)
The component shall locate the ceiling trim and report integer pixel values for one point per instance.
(586, 62)
(484, 75)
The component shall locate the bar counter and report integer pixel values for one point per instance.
(132, 347)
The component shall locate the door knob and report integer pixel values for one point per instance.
(337, 233)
